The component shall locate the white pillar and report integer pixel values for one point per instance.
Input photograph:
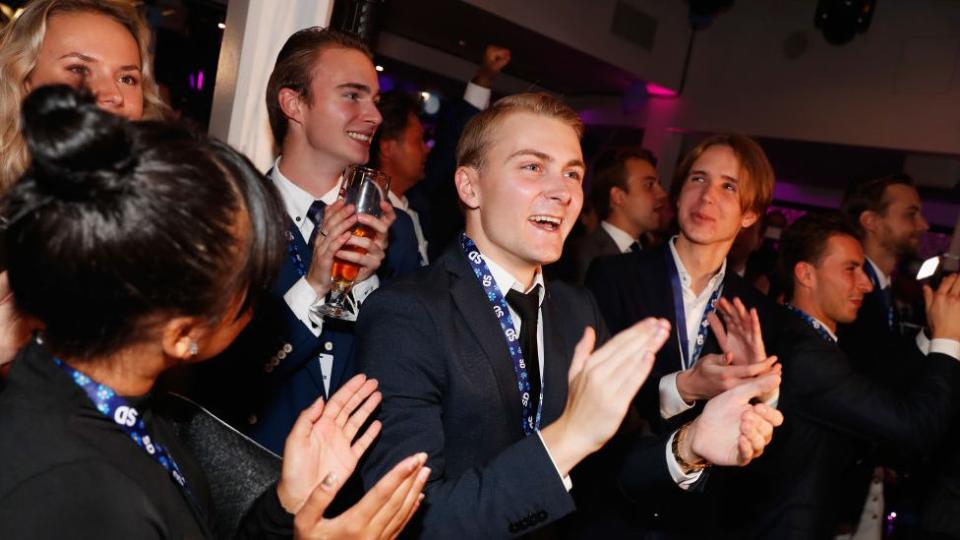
(255, 31)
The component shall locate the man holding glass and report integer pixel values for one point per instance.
(321, 100)
(492, 371)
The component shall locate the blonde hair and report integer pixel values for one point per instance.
(477, 134)
(20, 42)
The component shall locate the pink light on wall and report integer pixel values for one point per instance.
(656, 90)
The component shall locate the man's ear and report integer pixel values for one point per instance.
(870, 221)
(466, 179)
(748, 219)
(805, 274)
(617, 196)
(291, 104)
(387, 149)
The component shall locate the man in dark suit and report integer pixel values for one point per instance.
(831, 409)
(320, 100)
(627, 196)
(887, 213)
(478, 358)
(400, 151)
(721, 186)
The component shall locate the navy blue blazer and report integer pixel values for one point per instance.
(262, 382)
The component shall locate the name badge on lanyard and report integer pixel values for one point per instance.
(531, 418)
(687, 360)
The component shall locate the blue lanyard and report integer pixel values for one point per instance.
(530, 421)
(294, 251)
(885, 297)
(813, 323)
(681, 322)
(128, 418)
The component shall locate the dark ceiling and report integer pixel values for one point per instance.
(463, 30)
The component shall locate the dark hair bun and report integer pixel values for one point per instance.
(77, 151)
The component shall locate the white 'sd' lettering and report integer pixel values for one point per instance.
(125, 416)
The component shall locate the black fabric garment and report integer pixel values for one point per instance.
(831, 412)
(527, 306)
(315, 214)
(68, 471)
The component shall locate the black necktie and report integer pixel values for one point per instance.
(315, 214)
(528, 307)
(635, 247)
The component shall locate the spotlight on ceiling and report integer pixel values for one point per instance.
(841, 20)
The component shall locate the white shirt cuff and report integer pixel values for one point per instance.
(923, 342)
(477, 95)
(949, 347)
(299, 298)
(683, 480)
(671, 404)
(774, 399)
(567, 483)
(363, 289)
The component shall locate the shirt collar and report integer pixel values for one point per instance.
(398, 202)
(881, 277)
(621, 238)
(685, 279)
(505, 281)
(296, 200)
(825, 328)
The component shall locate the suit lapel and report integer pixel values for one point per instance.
(289, 274)
(654, 279)
(477, 312)
(556, 363)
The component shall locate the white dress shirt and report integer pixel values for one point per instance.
(301, 295)
(621, 238)
(671, 403)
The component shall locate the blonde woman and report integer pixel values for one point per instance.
(100, 44)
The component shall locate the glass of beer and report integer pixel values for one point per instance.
(364, 188)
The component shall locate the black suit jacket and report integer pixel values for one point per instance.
(831, 411)
(590, 246)
(449, 389)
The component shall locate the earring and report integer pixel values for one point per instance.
(194, 349)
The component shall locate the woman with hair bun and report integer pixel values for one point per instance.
(139, 247)
(100, 44)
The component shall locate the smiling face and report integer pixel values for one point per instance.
(525, 198)
(340, 116)
(838, 281)
(709, 207)
(95, 51)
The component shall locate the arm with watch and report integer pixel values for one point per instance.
(729, 432)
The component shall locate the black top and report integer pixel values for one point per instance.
(68, 469)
